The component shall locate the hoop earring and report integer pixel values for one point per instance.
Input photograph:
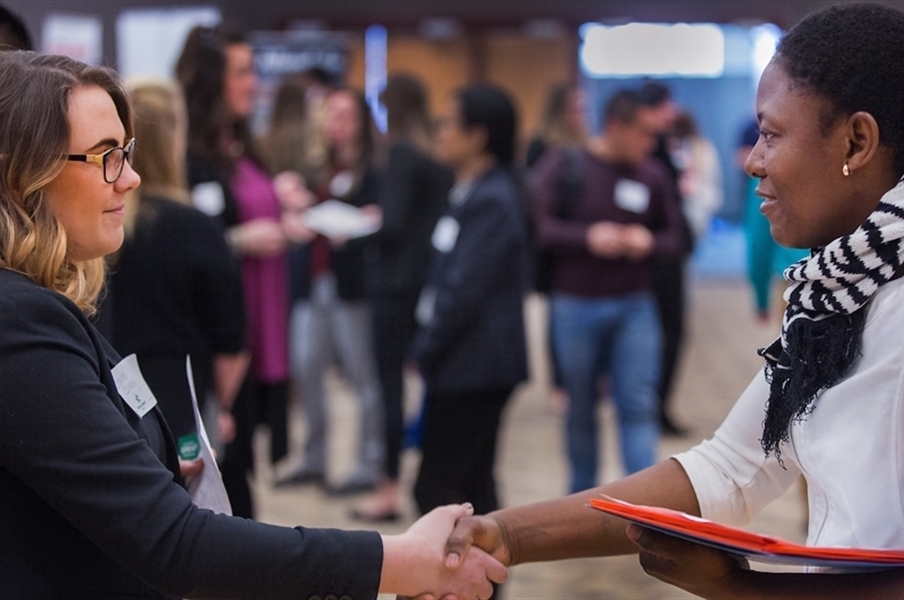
(846, 170)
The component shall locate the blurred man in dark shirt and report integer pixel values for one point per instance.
(604, 316)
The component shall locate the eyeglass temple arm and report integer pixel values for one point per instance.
(92, 158)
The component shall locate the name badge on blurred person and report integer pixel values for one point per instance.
(445, 234)
(208, 198)
(426, 306)
(132, 387)
(632, 195)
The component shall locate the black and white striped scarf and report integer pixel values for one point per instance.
(823, 323)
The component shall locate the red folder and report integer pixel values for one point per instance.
(754, 546)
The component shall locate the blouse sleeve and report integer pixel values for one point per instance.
(64, 436)
(732, 477)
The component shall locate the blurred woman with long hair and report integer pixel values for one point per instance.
(331, 322)
(229, 182)
(412, 195)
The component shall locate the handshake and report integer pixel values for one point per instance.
(439, 557)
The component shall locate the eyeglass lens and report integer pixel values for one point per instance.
(114, 160)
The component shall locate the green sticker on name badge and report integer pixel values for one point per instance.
(189, 447)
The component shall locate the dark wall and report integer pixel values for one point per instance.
(269, 14)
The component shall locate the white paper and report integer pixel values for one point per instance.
(207, 489)
(336, 219)
(132, 387)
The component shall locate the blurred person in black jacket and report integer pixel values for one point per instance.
(174, 287)
(412, 193)
(471, 346)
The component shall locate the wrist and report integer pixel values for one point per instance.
(234, 239)
(392, 578)
(509, 552)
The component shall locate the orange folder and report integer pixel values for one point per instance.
(754, 546)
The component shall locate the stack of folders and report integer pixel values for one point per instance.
(753, 546)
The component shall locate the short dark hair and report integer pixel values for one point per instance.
(490, 107)
(13, 34)
(622, 107)
(653, 94)
(853, 56)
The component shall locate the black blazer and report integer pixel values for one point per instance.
(176, 289)
(412, 192)
(91, 505)
(475, 339)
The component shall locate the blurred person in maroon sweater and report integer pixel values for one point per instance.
(604, 317)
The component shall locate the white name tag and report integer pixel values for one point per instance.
(445, 234)
(132, 387)
(632, 195)
(209, 198)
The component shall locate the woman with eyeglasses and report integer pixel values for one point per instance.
(91, 501)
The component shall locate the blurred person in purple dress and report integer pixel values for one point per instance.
(229, 182)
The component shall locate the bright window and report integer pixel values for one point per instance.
(652, 49)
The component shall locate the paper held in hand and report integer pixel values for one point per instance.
(206, 489)
(753, 546)
(337, 219)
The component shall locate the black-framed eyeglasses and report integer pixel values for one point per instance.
(112, 160)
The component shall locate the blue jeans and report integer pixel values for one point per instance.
(621, 336)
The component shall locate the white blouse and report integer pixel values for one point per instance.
(850, 448)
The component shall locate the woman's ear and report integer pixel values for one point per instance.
(862, 139)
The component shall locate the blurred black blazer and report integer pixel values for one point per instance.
(475, 339)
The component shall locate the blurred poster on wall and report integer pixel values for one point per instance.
(278, 54)
(77, 36)
(149, 41)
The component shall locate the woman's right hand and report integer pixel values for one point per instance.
(482, 532)
(414, 564)
(259, 238)
(292, 191)
(295, 228)
(191, 468)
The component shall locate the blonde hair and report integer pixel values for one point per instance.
(34, 139)
(161, 128)
(554, 128)
(284, 146)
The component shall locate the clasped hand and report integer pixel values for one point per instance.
(608, 239)
(414, 564)
(698, 569)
